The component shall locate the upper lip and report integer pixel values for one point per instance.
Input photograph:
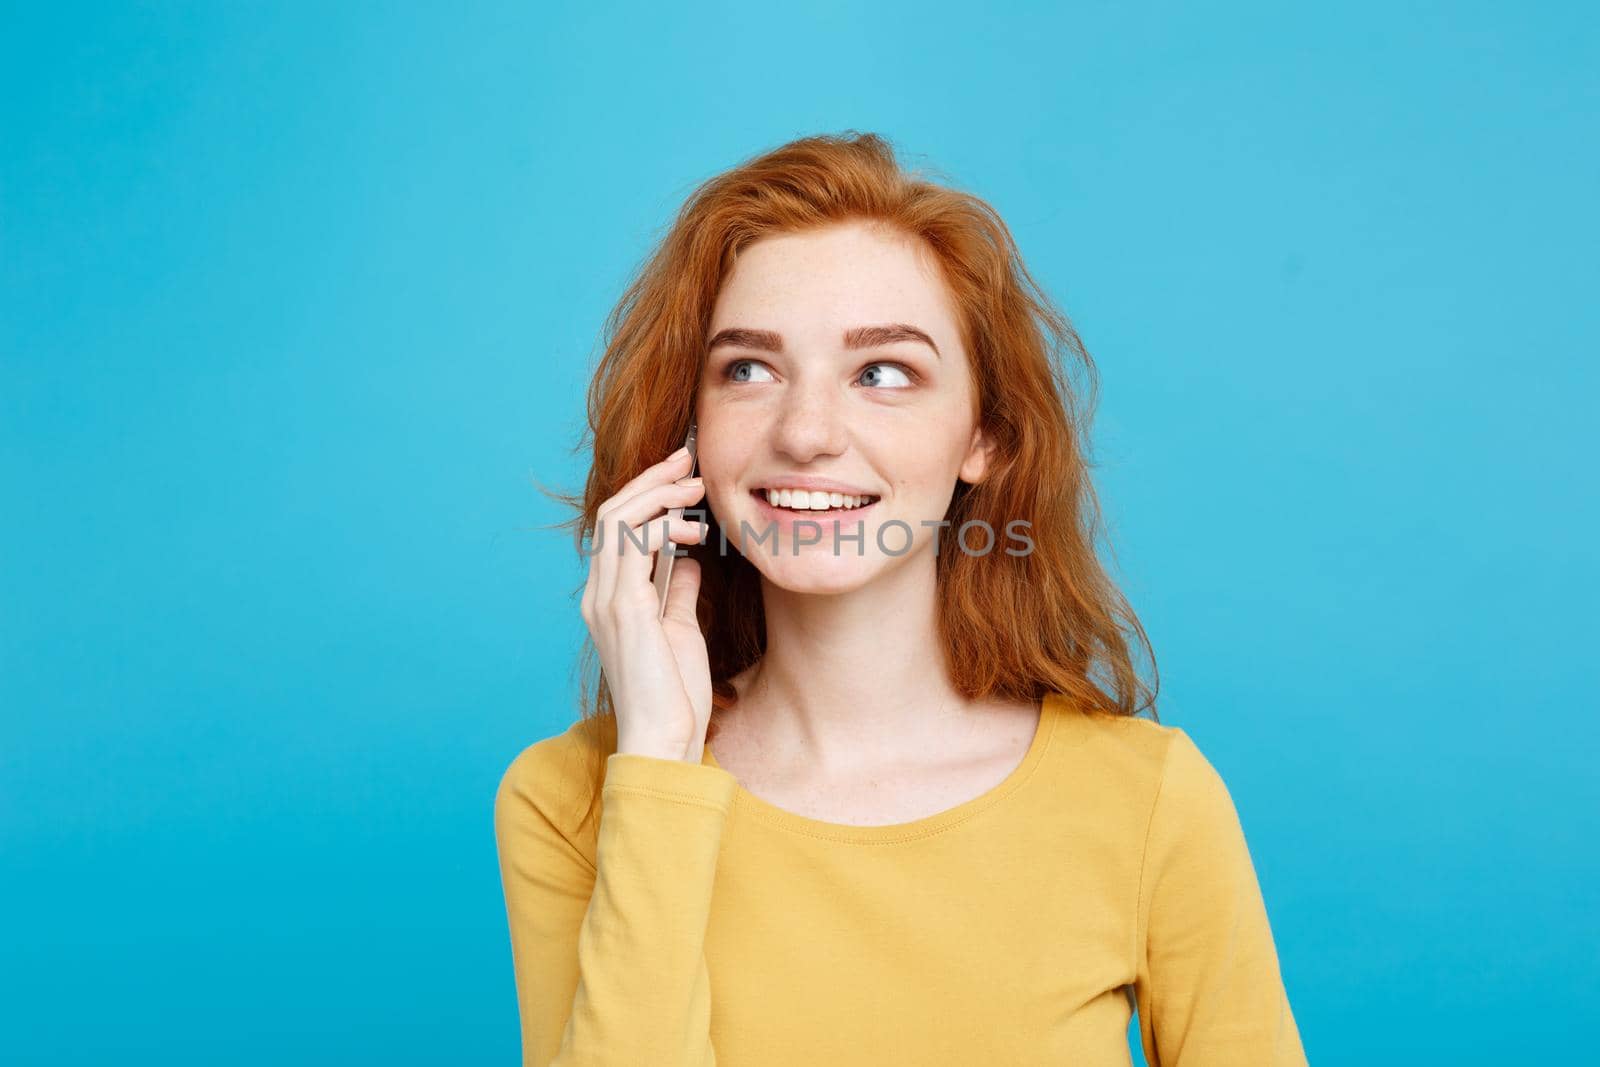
(813, 484)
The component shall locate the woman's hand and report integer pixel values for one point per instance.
(655, 663)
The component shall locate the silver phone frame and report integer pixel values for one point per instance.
(669, 550)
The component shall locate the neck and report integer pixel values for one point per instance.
(855, 680)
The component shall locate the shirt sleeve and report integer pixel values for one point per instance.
(609, 953)
(1208, 985)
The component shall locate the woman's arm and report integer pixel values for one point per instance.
(609, 955)
(1209, 990)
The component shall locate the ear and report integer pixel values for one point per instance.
(980, 453)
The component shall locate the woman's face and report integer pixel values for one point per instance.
(804, 379)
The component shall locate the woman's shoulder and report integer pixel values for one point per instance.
(578, 741)
(553, 778)
(1130, 750)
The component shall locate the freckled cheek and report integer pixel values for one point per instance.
(913, 464)
(924, 480)
(721, 482)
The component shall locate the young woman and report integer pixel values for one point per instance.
(873, 787)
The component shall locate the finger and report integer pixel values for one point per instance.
(650, 502)
(683, 593)
(612, 530)
(668, 470)
(623, 576)
(633, 571)
(646, 508)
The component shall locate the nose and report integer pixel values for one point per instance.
(811, 423)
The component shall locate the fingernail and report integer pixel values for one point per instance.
(680, 453)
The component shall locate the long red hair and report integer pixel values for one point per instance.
(1014, 627)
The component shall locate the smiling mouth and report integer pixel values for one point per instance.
(846, 505)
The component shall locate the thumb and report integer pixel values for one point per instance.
(683, 592)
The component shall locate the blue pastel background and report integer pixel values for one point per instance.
(297, 303)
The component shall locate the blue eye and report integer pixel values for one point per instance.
(743, 370)
(732, 369)
(905, 372)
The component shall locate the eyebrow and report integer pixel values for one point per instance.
(859, 337)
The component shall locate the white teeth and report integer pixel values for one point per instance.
(804, 500)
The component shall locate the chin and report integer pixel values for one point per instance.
(813, 568)
(818, 576)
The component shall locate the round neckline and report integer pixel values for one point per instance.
(928, 825)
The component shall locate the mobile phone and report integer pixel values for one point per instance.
(670, 550)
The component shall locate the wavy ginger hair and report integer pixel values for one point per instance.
(1013, 627)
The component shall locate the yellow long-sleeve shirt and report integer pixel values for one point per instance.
(699, 924)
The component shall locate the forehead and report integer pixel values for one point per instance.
(819, 282)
